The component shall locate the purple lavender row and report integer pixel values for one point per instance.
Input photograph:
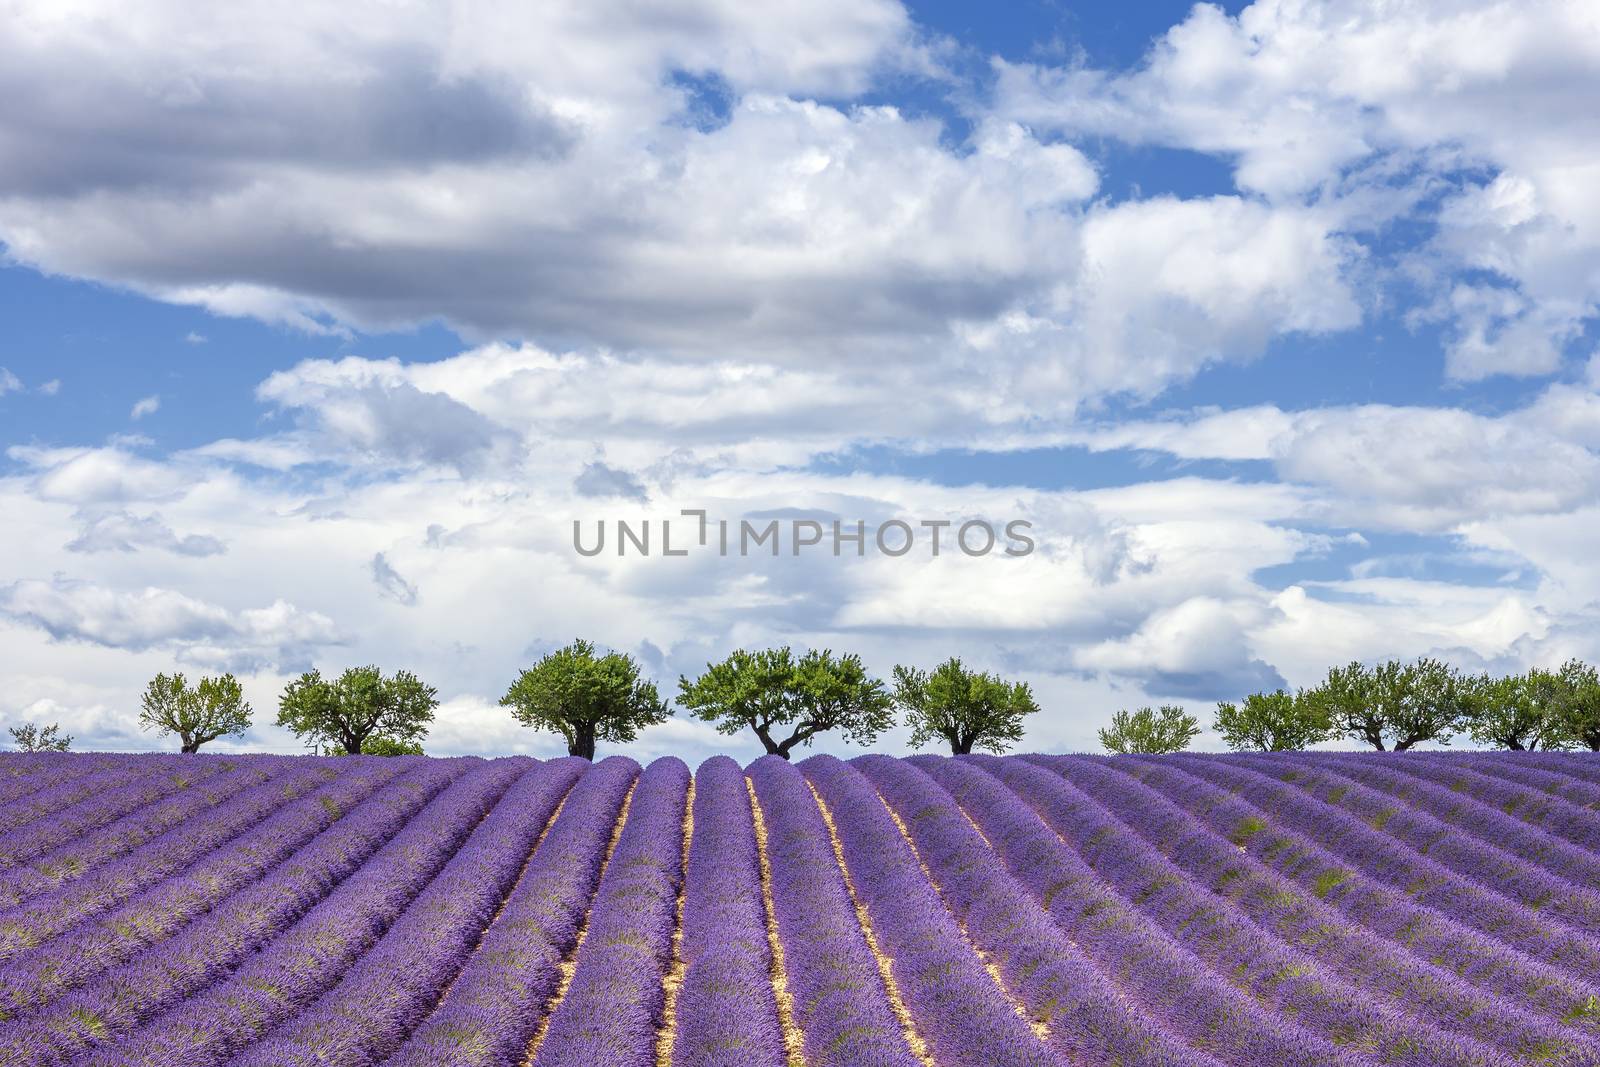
(48, 914)
(1257, 928)
(1582, 766)
(727, 1015)
(1415, 876)
(1214, 932)
(1521, 772)
(209, 948)
(1157, 973)
(1484, 807)
(231, 989)
(1423, 933)
(389, 989)
(840, 1001)
(613, 1008)
(77, 801)
(1553, 802)
(965, 1018)
(303, 961)
(496, 1003)
(25, 773)
(1492, 867)
(35, 978)
(76, 859)
(1087, 1016)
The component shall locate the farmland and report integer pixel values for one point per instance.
(1307, 908)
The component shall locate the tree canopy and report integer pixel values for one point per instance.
(212, 708)
(1148, 730)
(1517, 711)
(788, 700)
(586, 698)
(1273, 722)
(33, 738)
(1576, 706)
(1394, 705)
(360, 706)
(964, 707)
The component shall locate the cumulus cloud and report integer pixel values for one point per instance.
(279, 635)
(86, 476)
(1198, 649)
(851, 247)
(1374, 112)
(123, 531)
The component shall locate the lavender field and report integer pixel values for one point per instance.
(1343, 909)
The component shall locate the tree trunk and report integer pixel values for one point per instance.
(191, 746)
(1514, 745)
(582, 744)
(773, 748)
(353, 748)
(960, 746)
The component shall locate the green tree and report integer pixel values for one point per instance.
(360, 706)
(964, 707)
(32, 738)
(212, 708)
(1517, 712)
(1147, 730)
(809, 695)
(586, 698)
(1394, 705)
(1273, 722)
(1577, 705)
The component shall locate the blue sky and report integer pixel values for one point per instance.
(1277, 321)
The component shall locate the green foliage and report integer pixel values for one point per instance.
(1273, 722)
(388, 746)
(771, 688)
(1518, 712)
(361, 704)
(1576, 709)
(1148, 730)
(32, 738)
(212, 708)
(1394, 704)
(586, 698)
(964, 707)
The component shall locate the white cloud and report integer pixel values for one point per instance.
(390, 583)
(147, 406)
(9, 383)
(50, 388)
(98, 475)
(1411, 468)
(205, 634)
(1374, 112)
(123, 531)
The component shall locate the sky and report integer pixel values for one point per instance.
(321, 325)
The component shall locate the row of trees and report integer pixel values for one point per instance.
(1392, 705)
(785, 699)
